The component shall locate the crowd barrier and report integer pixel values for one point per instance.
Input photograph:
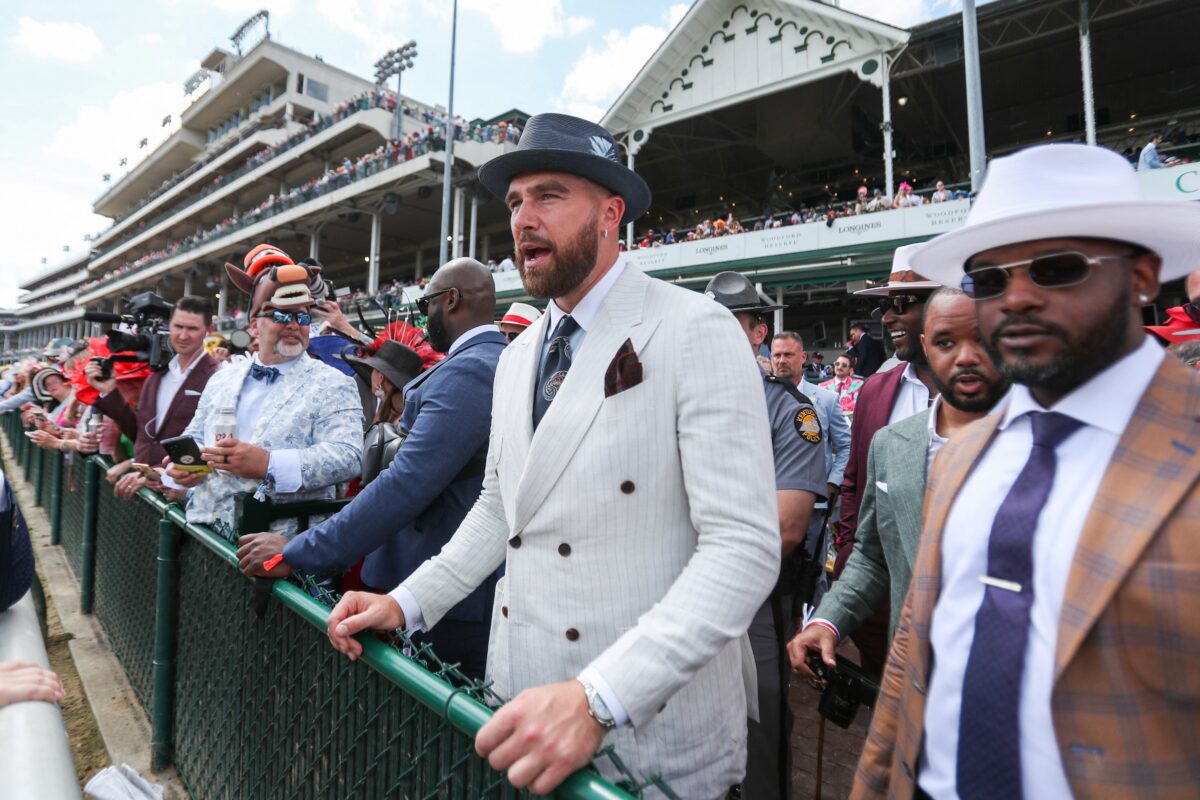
(245, 706)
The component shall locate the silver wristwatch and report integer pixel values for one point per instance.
(597, 709)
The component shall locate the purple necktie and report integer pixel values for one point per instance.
(989, 735)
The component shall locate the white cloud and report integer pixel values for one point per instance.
(278, 8)
(62, 41)
(902, 13)
(524, 25)
(151, 38)
(374, 27)
(101, 135)
(599, 75)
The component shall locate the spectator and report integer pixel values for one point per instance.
(862, 200)
(845, 384)
(865, 351)
(299, 422)
(905, 197)
(816, 371)
(169, 397)
(1149, 158)
(508, 265)
(410, 511)
(518, 317)
(940, 195)
(1188, 353)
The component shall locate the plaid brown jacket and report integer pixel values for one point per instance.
(1126, 699)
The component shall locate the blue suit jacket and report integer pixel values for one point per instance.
(405, 516)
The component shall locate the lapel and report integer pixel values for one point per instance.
(582, 393)
(189, 382)
(1160, 453)
(877, 409)
(907, 459)
(296, 379)
(942, 485)
(148, 402)
(524, 354)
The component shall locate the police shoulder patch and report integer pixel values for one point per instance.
(808, 425)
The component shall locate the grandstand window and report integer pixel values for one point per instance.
(318, 90)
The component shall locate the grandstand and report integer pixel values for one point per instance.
(766, 111)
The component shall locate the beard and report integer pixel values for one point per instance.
(435, 329)
(970, 405)
(288, 350)
(573, 262)
(1101, 345)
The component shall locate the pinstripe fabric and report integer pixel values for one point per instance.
(672, 534)
(1126, 701)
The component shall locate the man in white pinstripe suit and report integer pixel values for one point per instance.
(627, 492)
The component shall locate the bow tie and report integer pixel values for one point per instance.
(262, 373)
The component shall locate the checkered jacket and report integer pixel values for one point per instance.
(1126, 699)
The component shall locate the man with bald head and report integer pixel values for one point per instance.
(405, 515)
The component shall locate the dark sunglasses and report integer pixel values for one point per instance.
(1193, 312)
(898, 303)
(423, 300)
(511, 335)
(1050, 271)
(286, 317)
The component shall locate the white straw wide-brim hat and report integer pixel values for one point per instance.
(1057, 191)
(902, 279)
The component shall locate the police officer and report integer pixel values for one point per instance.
(800, 474)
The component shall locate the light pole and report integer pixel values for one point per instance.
(448, 171)
(394, 62)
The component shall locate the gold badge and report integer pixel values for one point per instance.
(808, 426)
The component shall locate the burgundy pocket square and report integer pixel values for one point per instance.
(624, 371)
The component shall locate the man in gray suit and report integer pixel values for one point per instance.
(889, 522)
(637, 544)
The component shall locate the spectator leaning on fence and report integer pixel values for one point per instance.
(299, 422)
(169, 397)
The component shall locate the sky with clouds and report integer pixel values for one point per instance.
(88, 81)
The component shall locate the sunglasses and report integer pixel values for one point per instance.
(511, 335)
(1193, 312)
(898, 303)
(286, 317)
(1050, 271)
(423, 300)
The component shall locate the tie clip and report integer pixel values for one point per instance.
(1010, 586)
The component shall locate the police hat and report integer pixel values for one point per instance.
(734, 291)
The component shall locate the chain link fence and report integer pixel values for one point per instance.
(250, 707)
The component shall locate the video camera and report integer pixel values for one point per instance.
(843, 689)
(151, 340)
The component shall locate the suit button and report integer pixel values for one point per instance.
(572, 635)
(564, 549)
(504, 610)
(514, 542)
(627, 487)
(662, 708)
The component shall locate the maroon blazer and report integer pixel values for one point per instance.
(139, 425)
(874, 408)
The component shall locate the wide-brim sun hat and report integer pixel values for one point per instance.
(562, 143)
(398, 363)
(734, 291)
(521, 314)
(1058, 191)
(902, 278)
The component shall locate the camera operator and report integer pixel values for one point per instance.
(169, 398)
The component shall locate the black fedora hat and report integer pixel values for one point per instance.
(562, 143)
(734, 291)
(399, 364)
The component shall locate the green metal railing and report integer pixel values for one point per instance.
(249, 707)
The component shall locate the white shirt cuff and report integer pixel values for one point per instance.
(284, 467)
(824, 623)
(593, 676)
(414, 622)
(169, 482)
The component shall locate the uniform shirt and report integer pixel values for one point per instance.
(1105, 404)
(797, 439)
(912, 398)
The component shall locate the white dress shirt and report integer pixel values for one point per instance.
(1105, 404)
(584, 314)
(168, 385)
(912, 398)
(936, 440)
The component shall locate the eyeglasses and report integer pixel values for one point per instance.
(899, 303)
(286, 317)
(1050, 271)
(423, 300)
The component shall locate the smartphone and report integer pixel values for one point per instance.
(147, 471)
(185, 454)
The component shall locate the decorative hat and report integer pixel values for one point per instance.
(399, 364)
(562, 143)
(902, 280)
(521, 314)
(1180, 327)
(734, 291)
(1059, 191)
(270, 276)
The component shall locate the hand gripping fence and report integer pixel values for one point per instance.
(245, 706)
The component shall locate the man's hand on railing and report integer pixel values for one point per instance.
(127, 487)
(44, 439)
(358, 611)
(541, 736)
(254, 549)
(114, 473)
(21, 681)
(241, 458)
